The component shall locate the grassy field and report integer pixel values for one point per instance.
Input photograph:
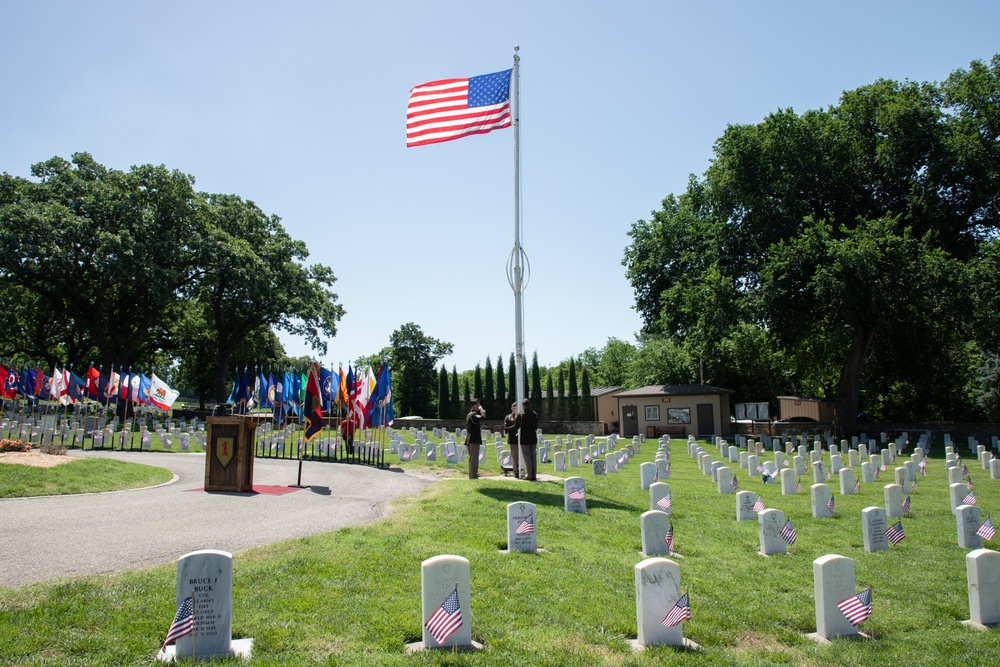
(353, 597)
(78, 476)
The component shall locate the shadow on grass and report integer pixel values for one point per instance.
(536, 494)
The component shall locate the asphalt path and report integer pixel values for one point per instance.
(69, 536)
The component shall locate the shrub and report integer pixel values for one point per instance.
(53, 449)
(15, 446)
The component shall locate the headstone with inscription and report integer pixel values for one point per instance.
(574, 495)
(440, 578)
(770, 522)
(206, 577)
(744, 506)
(873, 529)
(820, 497)
(967, 519)
(657, 591)
(654, 525)
(521, 529)
(819, 472)
(833, 582)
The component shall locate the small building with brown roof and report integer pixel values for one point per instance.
(675, 409)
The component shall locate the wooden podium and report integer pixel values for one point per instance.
(229, 455)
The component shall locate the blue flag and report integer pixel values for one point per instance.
(326, 387)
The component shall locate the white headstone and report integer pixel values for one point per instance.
(208, 575)
(657, 492)
(902, 477)
(833, 582)
(657, 591)
(789, 482)
(744, 506)
(893, 500)
(647, 471)
(440, 576)
(574, 495)
(560, 461)
(867, 472)
(847, 481)
(654, 525)
(770, 522)
(957, 493)
(873, 528)
(521, 528)
(967, 519)
(820, 496)
(983, 571)
(819, 472)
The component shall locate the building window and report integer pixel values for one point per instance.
(678, 416)
(652, 413)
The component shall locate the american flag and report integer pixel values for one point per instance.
(681, 611)
(586, 458)
(895, 533)
(858, 607)
(913, 486)
(965, 471)
(664, 502)
(669, 539)
(760, 468)
(578, 494)
(923, 468)
(454, 108)
(734, 484)
(405, 454)
(857, 486)
(906, 506)
(446, 619)
(968, 483)
(970, 498)
(788, 533)
(987, 531)
(798, 486)
(524, 528)
(882, 468)
(545, 456)
(183, 622)
(656, 477)
(758, 505)
(877, 473)
(505, 461)
(830, 506)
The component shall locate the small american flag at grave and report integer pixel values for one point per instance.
(182, 624)
(734, 484)
(446, 619)
(525, 527)
(788, 533)
(578, 494)
(906, 506)
(857, 486)
(968, 483)
(669, 539)
(858, 607)
(830, 505)
(894, 533)
(970, 498)
(987, 531)
(664, 502)
(758, 505)
(681, 611)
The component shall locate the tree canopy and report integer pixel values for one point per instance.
(839, 246)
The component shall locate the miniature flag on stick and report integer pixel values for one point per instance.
(857, 486)
(970, 498)
(183, 623)
(669, 539)
(858, 607)
(446, 619)
(758, 505)
(968, 483)
(578, 494)
(681, 611)
(524, 528)
(830, 505)
(906, 506)
(734, 484)
(895, 533)
(664, 503)
(987, 531)
(788, 533)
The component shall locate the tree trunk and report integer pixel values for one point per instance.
(845, 405)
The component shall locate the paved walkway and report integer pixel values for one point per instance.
(68, 536)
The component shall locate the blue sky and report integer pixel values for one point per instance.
(300, 107)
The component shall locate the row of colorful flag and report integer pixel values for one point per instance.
(68, 388)
(364, 395)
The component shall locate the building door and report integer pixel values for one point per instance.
(706, 419)
(630, 421)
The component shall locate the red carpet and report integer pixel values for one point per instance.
(266, 489)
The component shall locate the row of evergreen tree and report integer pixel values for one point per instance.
(496, 391)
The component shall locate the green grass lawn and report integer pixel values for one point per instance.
(78, 476)
(352, 597)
